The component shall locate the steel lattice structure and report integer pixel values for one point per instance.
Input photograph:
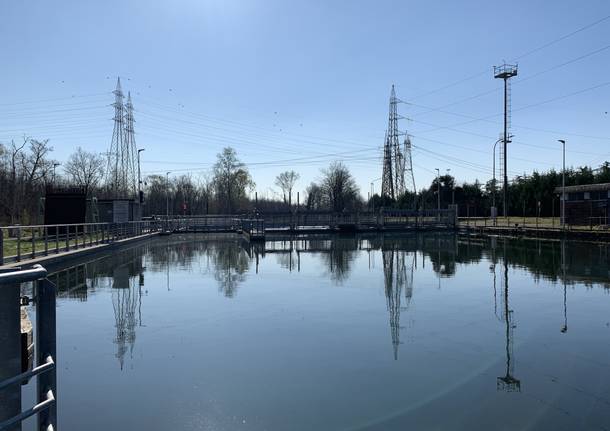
(122, 157)
(397, 177)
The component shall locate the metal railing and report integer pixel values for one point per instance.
(540, 223)
(27, 242)
(45, 351)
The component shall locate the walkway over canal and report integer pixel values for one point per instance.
(18, 243)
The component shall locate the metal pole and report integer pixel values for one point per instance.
(493, 196)
(563, 187)
(45, 347)
(438, 189)
(167, 194)
(139, 176)
(505, 211)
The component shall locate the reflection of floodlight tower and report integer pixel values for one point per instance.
(505, 72)
(564, 327)
(507, 382)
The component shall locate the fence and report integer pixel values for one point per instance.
(591, 223)
(45, 408)
(19, 242)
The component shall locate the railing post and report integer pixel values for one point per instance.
(33, 242)
(1, 247)
(46, 240)
(67, 237)
(45, 347)
(19, 244)
(56, 239)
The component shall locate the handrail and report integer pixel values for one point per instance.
(48, 365)
(18, 275)
(43, 405)
(45, 351)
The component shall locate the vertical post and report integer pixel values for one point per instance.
(46, 240)
(33, 242)
(1, 247)
(45, 347)
(563, 186)
(56, 239)
(504, 209)
(18, 243)
(67, 237)
(167, 198)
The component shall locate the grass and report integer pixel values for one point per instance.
(10, 245)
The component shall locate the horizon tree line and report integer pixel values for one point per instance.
(27, 171)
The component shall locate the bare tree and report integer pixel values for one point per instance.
(315, 197)
(85, 169)
(339, 187)
(231, 179)
(286, 181)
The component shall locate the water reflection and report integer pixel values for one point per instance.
(398, 276)
(229, 260)
(508, 382)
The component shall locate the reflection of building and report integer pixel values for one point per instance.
(397, 276)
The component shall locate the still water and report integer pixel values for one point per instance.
(429, 331)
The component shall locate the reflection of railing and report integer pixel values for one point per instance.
(45, 371)
(253, 228)
(19, 242)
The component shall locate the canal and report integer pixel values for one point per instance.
(430, 331)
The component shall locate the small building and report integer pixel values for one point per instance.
(586, 204)
(118, 210)
(67, 205)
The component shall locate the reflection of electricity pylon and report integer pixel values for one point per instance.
(125, 299)
(507, 382)
(394, 283)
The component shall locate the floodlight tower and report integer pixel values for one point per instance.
(505, 72)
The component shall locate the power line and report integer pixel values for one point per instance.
(519, 57)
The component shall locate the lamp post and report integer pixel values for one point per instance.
(493, 193)
(55, 165)
(139, 176)
(438, 190)
(452, 187)
(563, 186)
(167, 195)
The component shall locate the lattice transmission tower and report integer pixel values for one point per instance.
(131, 148)
(122, 165)
(397, 176)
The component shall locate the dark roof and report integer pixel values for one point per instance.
(584, 188)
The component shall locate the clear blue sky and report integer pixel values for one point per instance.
(299, 84)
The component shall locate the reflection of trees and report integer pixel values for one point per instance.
(339, 257)
(397, 276)
(231, 262)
